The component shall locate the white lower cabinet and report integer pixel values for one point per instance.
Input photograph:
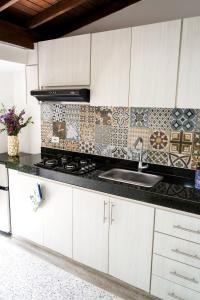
(168, 290)
(130, 242)
(25, 222)
(51, 224)
(90, 229)
(58, 218)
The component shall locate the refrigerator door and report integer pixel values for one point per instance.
(3, 176)
(4, 211)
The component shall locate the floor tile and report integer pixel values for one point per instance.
(72, 130)
(59, 129)
(103, 134)
(46, 112)
(183, 119)
(181, 142)
(103, 150)
(157, 157)
(179, 161)
(58, 113)
(103, 116)
(121, 116)
(134, 133)
(196, 144)
(159, 140)
(119, 136)
(87, 147)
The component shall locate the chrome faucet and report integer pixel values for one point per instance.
(140, 163)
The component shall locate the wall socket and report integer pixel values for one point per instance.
(55, 139)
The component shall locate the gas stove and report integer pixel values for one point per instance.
(68, 164)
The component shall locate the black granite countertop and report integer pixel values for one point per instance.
(175, 191)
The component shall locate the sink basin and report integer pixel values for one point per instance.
(131, 177)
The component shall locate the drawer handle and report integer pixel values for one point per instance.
(193, 280)
(104, 211)
(173, 295)
(185, 254)
(111, 214)
(186, 229)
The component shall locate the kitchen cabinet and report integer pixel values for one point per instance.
(110, 66)
(51, 224)
(58, 217)
(25, 222)
(90, 229)
(65, 61)
(32, 56)
(154, 64)
(188, 85)
(130, 242)
(32, 134)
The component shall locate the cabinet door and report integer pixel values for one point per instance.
(90, 229)
(131, 239)
(154, 64)
(189, 87)
(24, 220)
(110, 68)
(58, 217)
(65, 61)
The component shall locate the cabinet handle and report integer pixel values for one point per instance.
(111, 214)
(185, 254)
(104, 211)
(186, 229)
(173, 295)
(193, 280)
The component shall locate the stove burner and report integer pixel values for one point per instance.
(68, 164)
(51, 162)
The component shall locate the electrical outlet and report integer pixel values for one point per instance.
(55, 139)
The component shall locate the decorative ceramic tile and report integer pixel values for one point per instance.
(134, 155)
(46, 112)
(73, 130)
(87, 132)
(134, 133)
(59, 129)
(72, 112)
(183, 119)
(71, 146)
(159, 118)
(120, 152)
(119, 137)
(87, 114)
(156, 157)
(197, 121)
(87, 147)
(103, 150)
(58, 113)
(139, 117)
(159, 141)
(46, 131)
(196, 144)
(121, 116)
(103, 134)
(179, 161)
(195, 162)
(181, 142)
(103, 115)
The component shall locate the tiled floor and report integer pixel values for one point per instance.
(31, 273)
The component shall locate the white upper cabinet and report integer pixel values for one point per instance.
(131, 240)
(65, 61)
(189, 74)
(110, 66)
(32, 56)
(154, 64)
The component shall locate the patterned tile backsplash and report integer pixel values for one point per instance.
(171, 136)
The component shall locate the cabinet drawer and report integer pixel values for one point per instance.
(177, 249)
(171, 291)
(185, 227)
(176, 272)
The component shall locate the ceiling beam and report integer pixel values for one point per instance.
(6, 3)
(16, 35)
(54, 11)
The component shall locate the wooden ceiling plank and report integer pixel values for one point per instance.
(16, 35)
(4, 4)
(54, 11)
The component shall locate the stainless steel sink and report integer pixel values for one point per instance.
(131, 177)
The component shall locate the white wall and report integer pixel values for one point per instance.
(144, 12)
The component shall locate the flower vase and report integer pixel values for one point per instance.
(13, 145)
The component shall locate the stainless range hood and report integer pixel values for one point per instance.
(62, 95)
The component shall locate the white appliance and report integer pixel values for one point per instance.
(4, 201)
